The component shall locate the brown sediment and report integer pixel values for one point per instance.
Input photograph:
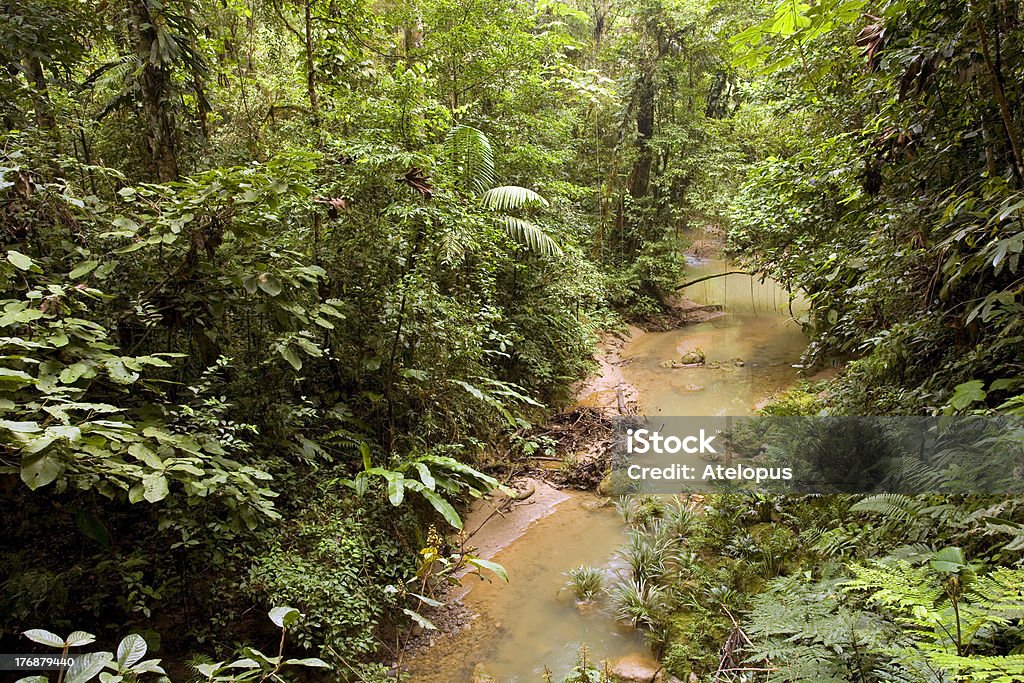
(607, 389)
(553, 518)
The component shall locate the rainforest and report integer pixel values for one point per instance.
(320, 317)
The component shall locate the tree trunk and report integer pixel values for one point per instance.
(640, 178)
(154, 82)
(40, 96)
(310, 64)
(1004, 107)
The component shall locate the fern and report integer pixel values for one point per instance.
(471, 157)
(808, 634)
(1005, 669)
(892, 506)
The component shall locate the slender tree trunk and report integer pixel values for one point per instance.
(155, 85)
(1004, 107)
(40, 95)
(641, 176)
(310, 64)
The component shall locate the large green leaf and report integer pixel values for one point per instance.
(491, 566)
(471, 157)
(41, 469)
(510, 197)
(283, 617)
(442, 506)
(131, 649)
(44, 637)
(529, 235)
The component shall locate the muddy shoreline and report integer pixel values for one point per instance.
(583, 434)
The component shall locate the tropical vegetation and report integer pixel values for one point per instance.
(287, 284)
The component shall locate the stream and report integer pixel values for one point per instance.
(533, 622)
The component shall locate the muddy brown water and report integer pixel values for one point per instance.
(755, 344)
(532, 623)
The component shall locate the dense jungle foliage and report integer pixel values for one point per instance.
(286, 283)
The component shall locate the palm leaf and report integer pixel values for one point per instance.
(509, 197)
(529, 235)
(471, 157)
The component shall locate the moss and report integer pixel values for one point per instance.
(694, 640)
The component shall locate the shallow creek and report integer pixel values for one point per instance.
(755, 344)
(532, 623)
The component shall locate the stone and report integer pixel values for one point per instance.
(635, 668)
(692, 357)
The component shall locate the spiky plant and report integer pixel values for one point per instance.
(680, 517)
(646, 555)
(585, 581)
(637, 602)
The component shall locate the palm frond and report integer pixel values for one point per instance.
(529, 235)
(510, 197)
(472, 160)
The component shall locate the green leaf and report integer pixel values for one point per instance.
(442, 506)
(90, 526)
(6, 374)
(420, 619)
(396, 490)
(948, 560)
(119, 373)
(471, 157)
(292, 356)
(429, 601)
(131, 649)
(210, 669)
(123, 223)
(44, 637)
(155, 487)
(269, 284)
(20, 261)
(529, 235)
(425, 476)
(20, 427)
(83, 269)
(70, 374)
(86, 667)
(283, 617)
(40, 470)
(509, 197)
(244, 663)
(487, 564)
(309, 661)
(967, 393)
(79, 638)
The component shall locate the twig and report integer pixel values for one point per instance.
(711, 277)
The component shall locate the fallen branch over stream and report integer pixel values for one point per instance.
(711, 277)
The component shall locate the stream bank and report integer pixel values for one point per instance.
(519, 631)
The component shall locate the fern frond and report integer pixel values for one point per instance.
(893, 507)
(113, 75)
(510, 197)
(1004, 669)
(912, 590)
(471, 157)
(529, 235)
